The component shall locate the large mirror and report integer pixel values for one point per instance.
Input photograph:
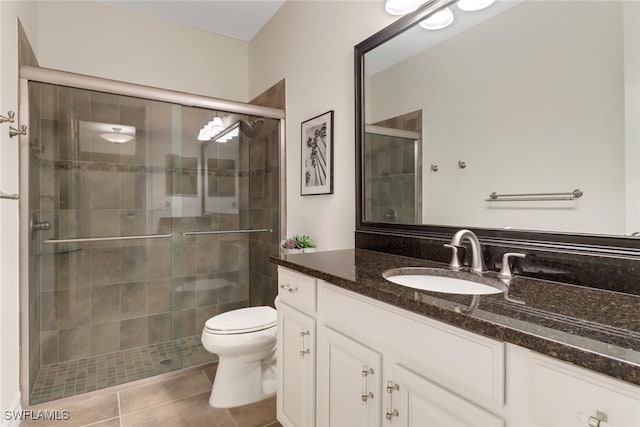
(522, 116)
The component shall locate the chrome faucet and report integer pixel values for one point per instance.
(477, 261)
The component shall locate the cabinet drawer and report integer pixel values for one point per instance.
(565, 395)
(297, 290)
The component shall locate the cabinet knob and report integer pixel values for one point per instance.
(289, 288)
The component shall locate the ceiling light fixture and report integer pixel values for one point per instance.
(211, 129)
(439, 20)
(401, 7)
(473, 5)
(116, 137)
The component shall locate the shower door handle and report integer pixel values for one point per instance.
(40, 225)
(107, 239)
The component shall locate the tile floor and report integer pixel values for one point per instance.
(65, 379)
(176, 401)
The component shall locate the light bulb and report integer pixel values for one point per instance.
(441, 19)
(217, 124)
(202, 135)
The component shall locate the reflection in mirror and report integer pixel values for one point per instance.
(392, 170)
(533, 97)
(97, 141)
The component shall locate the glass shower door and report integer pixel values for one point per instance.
(119, 287)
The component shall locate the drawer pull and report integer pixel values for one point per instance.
(289, 288)
(599, 420)
(366, 394)
(304, 351)
(390, 413)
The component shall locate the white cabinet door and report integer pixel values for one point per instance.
(296, 367)
(412, 400)
(349, 381)
(566, 396)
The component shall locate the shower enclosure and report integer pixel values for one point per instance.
(138, 232)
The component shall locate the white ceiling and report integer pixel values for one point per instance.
(239, 19)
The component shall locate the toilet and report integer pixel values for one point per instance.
(245, 342)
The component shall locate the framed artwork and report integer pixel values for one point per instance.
(317, 155)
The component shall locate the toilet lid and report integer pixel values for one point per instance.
(243, 320)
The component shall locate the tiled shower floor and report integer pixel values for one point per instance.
(74, 377)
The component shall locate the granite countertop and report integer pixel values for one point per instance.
(592, 328)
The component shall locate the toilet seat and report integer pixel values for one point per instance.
(242, 321)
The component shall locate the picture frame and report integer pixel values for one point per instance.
(316, 158)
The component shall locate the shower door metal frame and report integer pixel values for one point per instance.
(81, 81)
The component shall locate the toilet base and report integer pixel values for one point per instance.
(239, 381)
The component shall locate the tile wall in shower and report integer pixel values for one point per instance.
(263, 209)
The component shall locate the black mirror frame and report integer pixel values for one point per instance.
(602, 245)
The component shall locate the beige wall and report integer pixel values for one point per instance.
(310, 43)
(89, 37)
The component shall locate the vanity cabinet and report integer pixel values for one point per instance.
(374, 364)
(296, 349)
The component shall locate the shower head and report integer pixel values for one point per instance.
(249, 129)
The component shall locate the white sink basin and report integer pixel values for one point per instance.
(440, 280)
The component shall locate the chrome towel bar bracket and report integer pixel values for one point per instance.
(14, 132)
(11, 117)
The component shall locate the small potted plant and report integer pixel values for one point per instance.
(289, 245)
(297, 244)
(305, 243)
